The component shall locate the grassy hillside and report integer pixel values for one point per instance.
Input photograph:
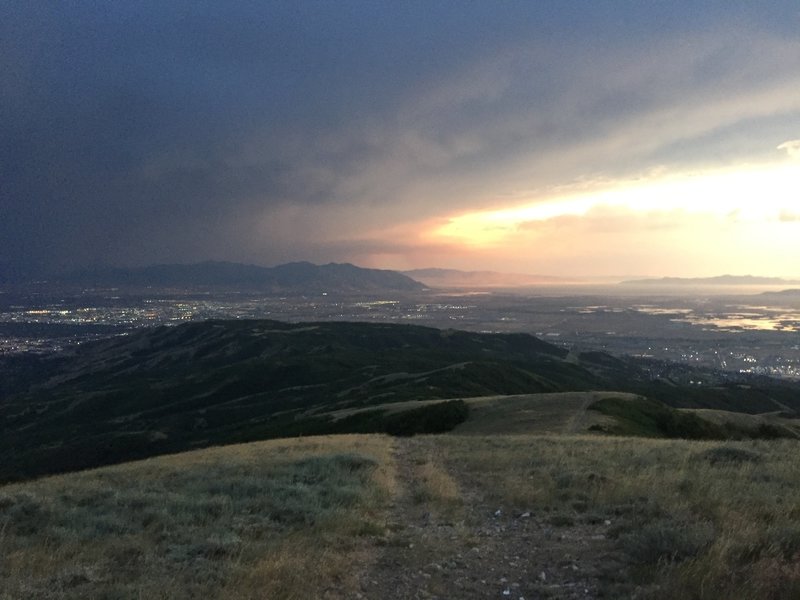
(681, 519)
(172, 389)
(434, 516)
(635, 415)
(277, 519)
(615, 413)
(176, 388)
(532, 413)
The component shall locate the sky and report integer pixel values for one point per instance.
(591, 138)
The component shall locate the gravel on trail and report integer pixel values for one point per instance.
(476, 550)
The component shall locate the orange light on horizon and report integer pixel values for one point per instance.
(764, 194)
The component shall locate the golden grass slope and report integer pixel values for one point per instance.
(701, 520)
(277, 519)
(564, 412)
(560, 412)
(305, 517)
(569, 412)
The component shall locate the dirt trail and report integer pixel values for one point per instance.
(579, 421)
(443, 549)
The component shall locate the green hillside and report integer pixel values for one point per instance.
(171, 389)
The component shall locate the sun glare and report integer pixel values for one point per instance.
(754, 195)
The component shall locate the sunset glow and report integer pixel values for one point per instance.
(753, 196)
(562, 138)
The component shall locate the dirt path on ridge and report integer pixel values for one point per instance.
(435, 549)
(579, 421)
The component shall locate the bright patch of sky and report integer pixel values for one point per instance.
(754, 195)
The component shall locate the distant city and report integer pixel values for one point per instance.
(755, 333)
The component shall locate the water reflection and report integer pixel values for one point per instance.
(732, 319)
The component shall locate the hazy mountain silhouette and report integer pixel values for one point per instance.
(297, 277)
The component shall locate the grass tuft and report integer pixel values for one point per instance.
(667, 541)
(729, 455)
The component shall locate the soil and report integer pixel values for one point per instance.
(477, 550)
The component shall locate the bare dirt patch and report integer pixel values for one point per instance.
(446, 540)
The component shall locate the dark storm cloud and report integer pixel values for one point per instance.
(123, 121)
(174, 131)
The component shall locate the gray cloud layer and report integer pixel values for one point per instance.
(155, 132)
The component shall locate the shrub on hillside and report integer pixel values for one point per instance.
(431, 418)
(651, 418)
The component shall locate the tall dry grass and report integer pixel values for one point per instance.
(704, 520)
(277, 519)
(431, 483)
(290, 518)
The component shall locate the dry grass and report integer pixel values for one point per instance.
(696, 519)
(289, 518)
(563, 412)
(389, 408)
(437, 485)
(750, 423)
(433, 485)
(277, 519)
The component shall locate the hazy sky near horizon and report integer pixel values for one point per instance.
(610, 137)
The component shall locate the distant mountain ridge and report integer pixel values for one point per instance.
(718, 280)
(296, 277)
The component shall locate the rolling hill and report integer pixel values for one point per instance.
(170, 389)
(514, 496)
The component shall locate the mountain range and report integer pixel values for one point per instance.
(305, 278)
(290, 278)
